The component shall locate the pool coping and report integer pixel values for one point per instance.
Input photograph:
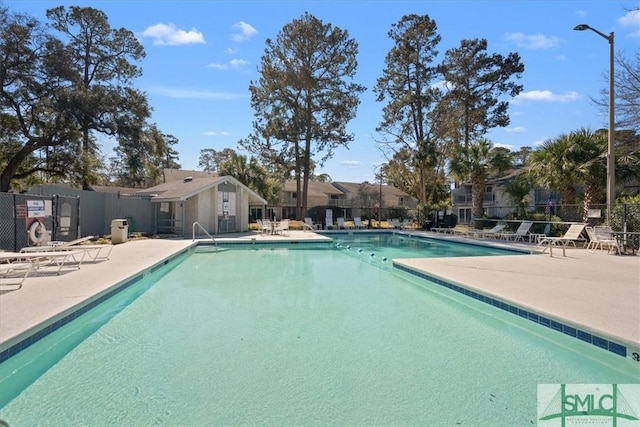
(584, 333)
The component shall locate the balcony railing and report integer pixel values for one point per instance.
(467, 198)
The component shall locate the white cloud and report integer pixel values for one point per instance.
(547, 96)
(508, 146)
(214, 133)
(243, 31)
(515, 129)
(351, 163)
(631, 20)
(233, 64)
(540, 141)
(195, 93)
(532, 41)
(169, 35)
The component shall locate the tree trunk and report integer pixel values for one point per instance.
(477, 199)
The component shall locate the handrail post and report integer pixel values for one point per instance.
(205, 232)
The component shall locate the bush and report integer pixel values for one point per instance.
(632, 205)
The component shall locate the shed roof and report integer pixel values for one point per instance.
(186, 188)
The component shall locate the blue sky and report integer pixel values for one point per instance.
(202, 55)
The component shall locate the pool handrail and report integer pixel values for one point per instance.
(193, 238)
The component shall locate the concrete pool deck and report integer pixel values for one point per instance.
(599, 292)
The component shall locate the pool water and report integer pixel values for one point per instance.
(283, 336)
(394, 245)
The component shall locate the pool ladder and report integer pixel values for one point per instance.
(193, 238)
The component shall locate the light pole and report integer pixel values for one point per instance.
(611, 160)
(380, 205)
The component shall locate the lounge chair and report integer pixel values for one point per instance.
(341, 224)
(601, 237)
(395, 223)
(72, 242)
(45, 261)
(519, 234)
(493, 232)
(357, 222)
(281, 227)
(328, 219)
(14, 270)
(266, 226)
(445, 230)
(93, 253)
(572, 236)
(308, 221)
(406, 223)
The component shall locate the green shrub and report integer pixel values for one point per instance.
(632, 206)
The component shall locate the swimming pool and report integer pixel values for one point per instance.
(397, 245)
(304, 335)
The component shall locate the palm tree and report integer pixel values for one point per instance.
(572, 160)
(518, 190)
(591, 157)
(476, 163)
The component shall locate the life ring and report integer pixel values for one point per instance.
(37, 232)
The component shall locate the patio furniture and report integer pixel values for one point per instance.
(341, 223)
(308, 221)
(14, 270)
(572, 236)
(93, 253)
(281, 227)
(45, 261)
(600, 237)
(520, 233)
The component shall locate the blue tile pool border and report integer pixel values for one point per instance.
(588, 337)
(33, 338)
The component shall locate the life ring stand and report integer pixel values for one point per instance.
(37, 232)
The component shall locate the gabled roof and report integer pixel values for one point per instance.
(315, 188)
(388, 191)
(175, 191)
(171, 175)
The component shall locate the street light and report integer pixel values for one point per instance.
(380, 205)
(611, 160)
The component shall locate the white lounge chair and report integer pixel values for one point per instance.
(328, 219)
(93, 253)
(309, 222)
(395, 223)
(341, 224)
(72, 242)
(266, 227)
(601, 237)
(493, 232)
(43, 262)
(519, 234)
(572, 236)
(357, 222)
(281, 227)
(14, 270)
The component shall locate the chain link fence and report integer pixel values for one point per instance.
(58, 218)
